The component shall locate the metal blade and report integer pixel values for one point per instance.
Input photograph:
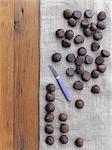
(53, 71)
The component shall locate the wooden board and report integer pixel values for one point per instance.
(19, 75)
(6, 75)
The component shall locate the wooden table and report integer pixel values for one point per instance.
(19, 74)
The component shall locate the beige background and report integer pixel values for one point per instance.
(94, 122)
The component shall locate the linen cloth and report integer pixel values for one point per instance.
(94, 122)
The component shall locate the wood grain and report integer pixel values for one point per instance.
(26, 61)
(19, 74)
(6, 74)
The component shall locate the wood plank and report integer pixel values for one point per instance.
(6, 74)
(26, 112)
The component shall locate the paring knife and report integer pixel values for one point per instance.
(61, 84)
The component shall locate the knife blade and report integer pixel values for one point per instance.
(61, 84)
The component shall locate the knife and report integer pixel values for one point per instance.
(61, 84)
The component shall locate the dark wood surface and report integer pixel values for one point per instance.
(19, 74)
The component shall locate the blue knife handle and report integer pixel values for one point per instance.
(64, 89)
